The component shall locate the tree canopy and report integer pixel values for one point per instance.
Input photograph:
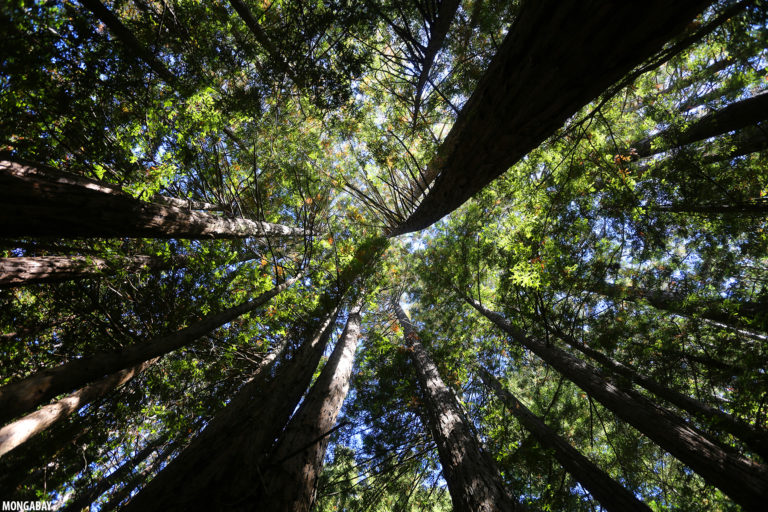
(384, 255)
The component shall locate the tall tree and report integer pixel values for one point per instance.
(473, 479)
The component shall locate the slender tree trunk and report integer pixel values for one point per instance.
(709, 310)
(611, 495)
(223, 467)
(261, 37)
(26, 394)
(473, 479)
(88, 496)
(741, 114)
(523, 97)
(292, 470)
(16, 433)
(743, 480)
(753, 437)
(37, 203)
(136, 480)
(125, 36)
(53, 269)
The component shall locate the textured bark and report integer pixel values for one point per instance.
(743, 480)
(222, 468)
(26, 394)
(536, 81)
(16, 433)
(125, 36)
(473, 479)
(36, 202)
(611, 495)
(85, 498)
(753, 437)
(292, 470)
(54, 269)
(736, 116)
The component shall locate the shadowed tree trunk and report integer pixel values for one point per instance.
(125, 36)
(26, 394)
(524, 96)
(741, 114)
(53, 269)
(743, 480)
(755, 438)
(292, 471)
(222, 467)
(611, 495)
(473, 479)
(37, 203)
(16, 433)
(714, 311)
(87, 496)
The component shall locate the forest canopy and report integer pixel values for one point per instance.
(384, 255)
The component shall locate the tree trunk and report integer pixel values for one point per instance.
(743, 480)
(473, 480)
(53, 269)
(34, 203)
(24, 395)
(16, 433)
(741, 114)
(709, 310)
(611, 495)
(753, 437)
(536, 82)
(88, 496)
(124, 35)
(291, 472)
(222, 467)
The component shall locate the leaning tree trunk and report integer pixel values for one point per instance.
(22, 396)
(736, 116)
(36, 203)
(291, 471)
(26, 270)
(222, 467)
(611, 495)
(751, 315)
(524, 97)
(473, 480)
(16, 433)
(89, 495)
(753, 437)
(743, 480)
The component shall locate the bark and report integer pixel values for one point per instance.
(751, 315)
(26, 394)
(736, 116)
(473, 480)
(126, 37)
(85, 498)
(438, 30)
(753, 437)
(222, 468)
(743, 480)
(611, 495)
(54, 269)
(536, 82)
(292, 471)
(136, 480)
(16, 433)
(34, 202)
